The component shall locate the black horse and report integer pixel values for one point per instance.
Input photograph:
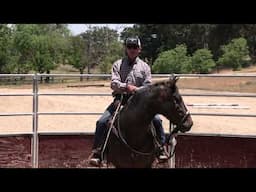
(131, 143)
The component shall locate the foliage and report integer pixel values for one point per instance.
(235, 54)
(173, 61)
(202, 62)
(40, 46)
(5, 48)
(115, 53)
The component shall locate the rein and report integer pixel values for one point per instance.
(125, 142)
(120, 134)
(171, 139)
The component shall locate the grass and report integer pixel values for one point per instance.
(232, 84)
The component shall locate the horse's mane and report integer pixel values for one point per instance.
(145, 90)
(165, 83)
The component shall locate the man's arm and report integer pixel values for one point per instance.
(148, 77)
(147, 80)
(116, 83)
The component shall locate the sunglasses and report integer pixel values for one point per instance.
(132, 46)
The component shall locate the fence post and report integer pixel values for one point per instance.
(34, 143)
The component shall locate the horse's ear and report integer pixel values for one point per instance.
(174, 78)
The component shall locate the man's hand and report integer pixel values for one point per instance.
(131, 88)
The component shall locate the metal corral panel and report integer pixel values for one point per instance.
(15, 152)
(192, 151)
(195, 151)
(61, 151)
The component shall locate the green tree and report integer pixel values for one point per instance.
(40, 47)
(130, 32)
(22, 42)
(5, 48)
(235, 54)
(115, 53)
(248, 31)
(157, 38)
(99, 42)
(77, 54)
(173, 61)
(195, 36)
(202, 62)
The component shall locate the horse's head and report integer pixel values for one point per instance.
(166, 98)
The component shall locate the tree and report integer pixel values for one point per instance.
(202, 62)
(157, 38)
(99, 41)
(173, 61)
(5, 48)
(130, 32)
(235, 54)
(40, 46)
(248, 31)
(77, 54)
(115, 52)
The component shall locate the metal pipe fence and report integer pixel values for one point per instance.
(35, 94)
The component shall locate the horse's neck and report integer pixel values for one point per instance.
(134, 124)
(136, 115)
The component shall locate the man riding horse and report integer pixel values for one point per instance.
(128, 75)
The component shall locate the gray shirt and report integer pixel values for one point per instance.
(123, 73)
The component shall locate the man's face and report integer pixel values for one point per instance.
(132, 51)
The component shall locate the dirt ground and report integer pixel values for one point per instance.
(84, 123)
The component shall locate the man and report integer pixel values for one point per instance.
(128, 74)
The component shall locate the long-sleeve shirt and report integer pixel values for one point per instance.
(123, 73)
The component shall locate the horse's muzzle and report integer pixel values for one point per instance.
(187, 124)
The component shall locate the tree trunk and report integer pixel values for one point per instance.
(47, 78)
(81, 72)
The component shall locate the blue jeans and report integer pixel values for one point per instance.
(157, 122)
(101, 127)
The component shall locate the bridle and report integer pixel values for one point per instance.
(182, 120)
(173, 133)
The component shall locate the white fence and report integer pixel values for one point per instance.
(35, 94)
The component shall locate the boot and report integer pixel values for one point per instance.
(95, 157)
(162, 156)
